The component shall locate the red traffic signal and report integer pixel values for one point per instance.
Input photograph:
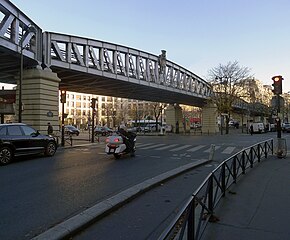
(63, 96)
(277, 85)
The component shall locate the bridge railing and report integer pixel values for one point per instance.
(191, 221)
(116, 61)
(18, 32)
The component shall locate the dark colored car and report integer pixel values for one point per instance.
(104, 131)
(18, 139)
(71, 130)
(286, 127)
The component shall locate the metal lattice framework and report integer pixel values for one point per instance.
(120, 62)
(14, 30)
(18, 36)
(93, 66)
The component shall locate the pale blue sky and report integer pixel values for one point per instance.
(198, 35)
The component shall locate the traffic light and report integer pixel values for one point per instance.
(277, 84)
(93, 103)
(63, 96)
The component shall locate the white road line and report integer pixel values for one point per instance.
(155, 145)
(166, 147)
(195, 148)
(144, 144)
(208, 150)
(180, 148)
(228, 150)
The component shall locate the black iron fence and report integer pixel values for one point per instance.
(192, 220)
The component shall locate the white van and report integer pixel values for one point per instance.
(258, 127)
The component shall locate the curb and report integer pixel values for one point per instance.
(85, 218)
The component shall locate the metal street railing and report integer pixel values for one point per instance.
(192, 220)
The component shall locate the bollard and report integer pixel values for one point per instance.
(281, 150)
(211, 152)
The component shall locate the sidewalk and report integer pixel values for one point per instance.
(260, 207)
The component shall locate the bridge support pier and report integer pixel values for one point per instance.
(40, 98)
(174, 118)
(209, 119)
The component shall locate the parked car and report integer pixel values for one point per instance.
(286, 127)
(18, 139)
(104, 131)
(71, 130)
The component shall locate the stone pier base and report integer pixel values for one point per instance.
(40, 99)
(209, 119)
(174, 118)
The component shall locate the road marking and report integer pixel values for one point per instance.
(196, 148)
(155, 145)
(228, 150)
(166, 147)
(208, 150)
(143, 144)
(180, 148)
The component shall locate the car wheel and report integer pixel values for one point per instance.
(78, 133)
(6, 155)
(50, 149)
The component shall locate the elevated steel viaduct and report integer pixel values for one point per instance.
(41, 63)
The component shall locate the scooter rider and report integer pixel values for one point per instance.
(127, 138)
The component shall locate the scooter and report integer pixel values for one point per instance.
(115, 145)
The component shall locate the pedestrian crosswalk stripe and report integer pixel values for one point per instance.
(228, 150)
(153, 146)
(166, 147)
(180, 148)
(143, 144)
(195, 148)
(216, 147)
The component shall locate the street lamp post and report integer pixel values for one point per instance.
(114, 117)
(161, 111)
(224, 83)
(29, 29)
(20, 82)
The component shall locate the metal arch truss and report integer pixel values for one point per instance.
(15, 34)
(105, 59)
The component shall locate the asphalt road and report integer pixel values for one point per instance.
(37, 193)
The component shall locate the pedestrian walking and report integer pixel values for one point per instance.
(251, 129)
(49, 129)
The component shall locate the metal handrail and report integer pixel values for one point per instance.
(192, 219)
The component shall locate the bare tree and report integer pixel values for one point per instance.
(157, 109)
(228, 81)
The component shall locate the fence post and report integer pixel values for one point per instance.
(251, 156)
(235, 169)
(224, 179)
(259, 153)
(244, 163)
(210, 194)
(190, 221)
(272, 146)
(266, 152)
